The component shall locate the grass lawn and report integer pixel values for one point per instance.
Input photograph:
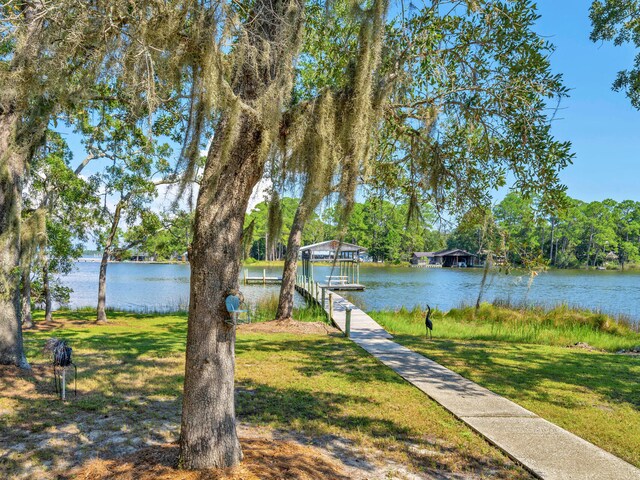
(594, 394)
(320, 387)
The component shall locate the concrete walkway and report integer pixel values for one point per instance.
(546, 450)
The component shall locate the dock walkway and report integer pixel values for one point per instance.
(543, 448)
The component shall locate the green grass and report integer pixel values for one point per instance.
(592, 394)
(523, 355)
(560, 326)
(131, 374)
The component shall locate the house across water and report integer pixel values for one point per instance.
(455, 257)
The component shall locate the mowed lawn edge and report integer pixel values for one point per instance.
(321, 386)
(593, 394)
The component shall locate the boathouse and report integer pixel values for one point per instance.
(346, 259)
(455, 257)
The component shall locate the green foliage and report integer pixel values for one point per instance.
(618, 21)
(470, 105)
(381, 226)
(69, 204)
(580, 234)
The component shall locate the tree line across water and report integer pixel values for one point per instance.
(578, 234)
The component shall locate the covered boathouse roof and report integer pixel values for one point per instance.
(332, 246)
(444, 253)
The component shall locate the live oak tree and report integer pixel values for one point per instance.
(254, 110)
(51, 55)
(618, 21)
(470, 87)
(66, 203)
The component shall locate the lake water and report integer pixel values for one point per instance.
(163, 286)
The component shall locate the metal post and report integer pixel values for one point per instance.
(330, 306)
(264, 276)
(347, 323)
(64, 384)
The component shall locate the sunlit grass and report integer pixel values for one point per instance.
(522, 353)
(592, 394)
(131, 372)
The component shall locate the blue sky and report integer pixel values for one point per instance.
(601, 124)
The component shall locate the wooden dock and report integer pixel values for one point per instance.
(337, 308)
(269, 280)
(263, 280)
(354, 287)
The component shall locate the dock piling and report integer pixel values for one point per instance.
(347, 323)
(330, 306)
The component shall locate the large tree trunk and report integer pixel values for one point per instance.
(287, 288)
(12, 171)
(101, 310)
(208, 435)
(307, 204)
(27, 318)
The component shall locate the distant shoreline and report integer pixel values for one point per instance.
(280, 264)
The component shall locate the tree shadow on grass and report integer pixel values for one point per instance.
(526, 368)
(319, 356)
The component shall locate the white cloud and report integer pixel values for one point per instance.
(260, 193)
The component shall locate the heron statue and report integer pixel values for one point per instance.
(428, 323)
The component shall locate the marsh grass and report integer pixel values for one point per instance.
(502, 321)
(265, 309)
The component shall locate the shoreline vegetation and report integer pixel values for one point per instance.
(635, 267)
(561, 325)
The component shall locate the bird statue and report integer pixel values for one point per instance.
(427, 322)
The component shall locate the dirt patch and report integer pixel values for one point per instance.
(289, 326)
(263, 459)
(24, 383)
